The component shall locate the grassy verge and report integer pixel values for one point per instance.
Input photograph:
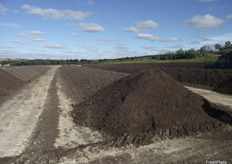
(209, 59)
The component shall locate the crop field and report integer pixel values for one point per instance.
(115, 113)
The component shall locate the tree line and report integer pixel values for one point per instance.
(204, 51)
(24, 62)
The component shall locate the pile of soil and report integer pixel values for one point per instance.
(212, 77)
(137, 108)
(8, 84)
(27, 73)
(13, 78)
(187, 73)
(138, 67)
(82, 82)
(225, 87)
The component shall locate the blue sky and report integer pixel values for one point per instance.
(97, 29)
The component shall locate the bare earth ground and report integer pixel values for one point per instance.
(217, 98)
(19, 115)
(38, 124)
(27, 73)
(71, 135)
(211, 146)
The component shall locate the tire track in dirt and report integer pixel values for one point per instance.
(211, 146)
(46, 130)
(217, 98)
(71, 135)
(19, 116)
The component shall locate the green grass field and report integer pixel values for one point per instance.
(209, 59)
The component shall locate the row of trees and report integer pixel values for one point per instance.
(202, 52)
(44, 62)
(181, 54)
(224, 50)
(219, 47)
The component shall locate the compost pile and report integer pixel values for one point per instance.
(27, 73)
(226, 87)
(8, 83)
(13, 78)
(187, 73)
(145, 105)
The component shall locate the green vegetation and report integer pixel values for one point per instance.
(208, 59)
(182, 54)
(204, 54)
(24, 62)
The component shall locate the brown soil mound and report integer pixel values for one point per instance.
(141, 106)
(203, 77)
(12, 78)
(8, 83)
(225, 87)
(82, 82)
(187, 73)
(27, 73)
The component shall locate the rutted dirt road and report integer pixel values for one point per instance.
(36, 126)
(19, 116)
(217, 98)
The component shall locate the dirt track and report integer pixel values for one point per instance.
(19, 116)
(45, 132)
(214, 97)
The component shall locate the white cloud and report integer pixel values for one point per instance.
(21, 41)
(90, 3)
(122, 51)
(90, 27)
(216, 39)
(206, 0)
(73, 34)
(163, 51)
(175, 46)
(38, 54)
(8, 54)
(151, 37)
(229, 16)
(151, 48)
(55, 14)
(147, 37)
(3, 9)
(121, 44)
(53, 46)
(173, 39)
(105, 41)
(33, 35)
(204, 21)
(10, 24)
(5, 47)
(29, 34)
(142, 26)
(148, 24)
(131, 29)
(90, 49)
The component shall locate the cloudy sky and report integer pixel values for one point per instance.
(97, 29)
